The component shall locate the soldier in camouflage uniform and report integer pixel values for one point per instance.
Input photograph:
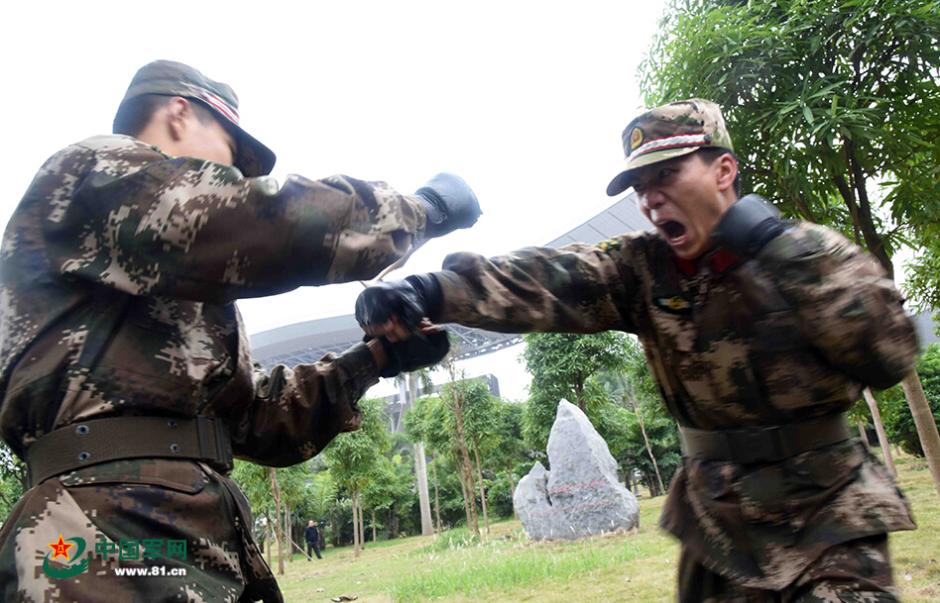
(760, 334)
(126, 380)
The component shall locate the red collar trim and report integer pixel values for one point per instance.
(720, 261)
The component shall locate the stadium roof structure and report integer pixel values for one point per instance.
(308, 341)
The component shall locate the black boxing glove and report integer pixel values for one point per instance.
(416, 352)
(748, 226)
(450, 204)
(411, 299)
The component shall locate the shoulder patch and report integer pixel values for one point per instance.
(608, 245)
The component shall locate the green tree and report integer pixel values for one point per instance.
(353, 460)
(631, 386)
(510, 449)
(272, 493)
(563, 366)
(898, 420)
(12, 480)
(834, 107)
(455, 396)
(428, 422)
(480, 417)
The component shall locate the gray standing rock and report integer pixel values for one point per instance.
(581, 495)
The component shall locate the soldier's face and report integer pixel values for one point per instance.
(207, 139)
(684, 198)
(194, 132)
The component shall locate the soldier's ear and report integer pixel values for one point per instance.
(726, 170)
(178, 110)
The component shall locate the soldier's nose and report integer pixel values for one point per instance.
(651, 199)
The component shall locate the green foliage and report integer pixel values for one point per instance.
(619, 567)
(833, 105)
(493, 427)
(479, 412)
(635, 396)
(429, 421)
(353, 457)
(12, 480)
(562, 366)
(391, 494)
(320, 495)
(898, 421)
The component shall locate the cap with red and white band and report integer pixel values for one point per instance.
(670, 131)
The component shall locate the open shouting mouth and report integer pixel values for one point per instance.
(674, 232)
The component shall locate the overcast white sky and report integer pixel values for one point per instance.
(526, 100)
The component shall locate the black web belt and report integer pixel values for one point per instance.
(763, 444)
(101, 440)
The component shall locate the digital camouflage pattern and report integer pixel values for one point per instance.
(118, 273)
(792, 334)
(858, 571)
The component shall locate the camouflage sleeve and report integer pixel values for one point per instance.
(846, 305)
(578, 288)
(198, 230)
(298, 411)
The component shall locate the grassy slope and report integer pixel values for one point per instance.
(638, 567)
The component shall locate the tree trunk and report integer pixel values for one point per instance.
(463, 491)
(486, 519)
(269, 539)
(288, 536)
(649, 449)
(466, 467)
(880, 429)
(913, 390)
(862, 435)
(642, 424)
(278, 527)
(437, 494)
(373, 525)
(355, 519)
(926, 426)
(362, 523)
(408, 392)
(424, 502)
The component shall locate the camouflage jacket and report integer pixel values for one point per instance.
(792, 334)
(118, 276)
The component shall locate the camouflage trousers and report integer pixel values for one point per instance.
(858, 571)
(133, 531)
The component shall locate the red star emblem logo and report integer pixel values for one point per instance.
(60, 548)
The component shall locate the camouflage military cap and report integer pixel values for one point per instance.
(176, 79)
(669, 131)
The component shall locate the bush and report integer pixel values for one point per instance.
(899, 423)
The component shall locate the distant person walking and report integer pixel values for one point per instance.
(312, 536)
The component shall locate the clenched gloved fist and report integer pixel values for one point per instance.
(748, 225)
(450, 204)
(412, 299)
(416, 352)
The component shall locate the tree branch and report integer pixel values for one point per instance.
(873, 240)
(849, 197)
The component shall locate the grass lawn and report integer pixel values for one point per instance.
(637, 567)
